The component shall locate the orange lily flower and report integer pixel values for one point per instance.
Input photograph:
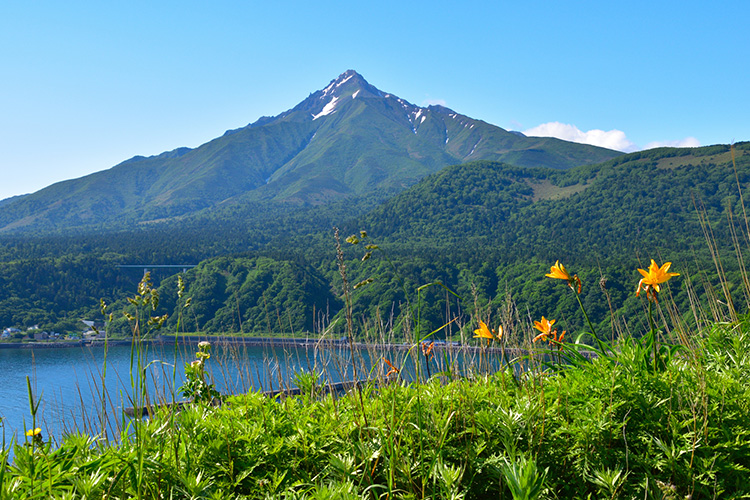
(499, 333)
(393, 370)
(653, 278)
(427, 349)
(559, 272)
(483, 332)
(544, 326)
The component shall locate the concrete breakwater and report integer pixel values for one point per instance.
(170, 340)
(61, 344)
(260, 342)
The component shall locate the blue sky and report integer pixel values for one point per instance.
(85, 85)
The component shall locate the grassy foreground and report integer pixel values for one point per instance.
(618, 426)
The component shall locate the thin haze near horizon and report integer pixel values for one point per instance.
(88, 84)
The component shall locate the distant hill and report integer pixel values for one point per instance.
(644, 199)
(349, 139)
(485, 229)
(490, 228)
(499, 228)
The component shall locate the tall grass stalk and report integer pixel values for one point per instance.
(715, 256)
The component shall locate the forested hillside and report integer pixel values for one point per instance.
(500, 228)
(485, 230)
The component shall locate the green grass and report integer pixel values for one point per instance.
(662, 415)
(545, 190)
(610, 428)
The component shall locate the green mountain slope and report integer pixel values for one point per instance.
(487, 229)
(348, 139)
(252, 294)
(484, 229)
(645, 199)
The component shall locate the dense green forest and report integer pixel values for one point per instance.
(486, 231)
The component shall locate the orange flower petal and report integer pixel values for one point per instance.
(559, 272)
(544, 326)
(654, 277)
(541, 336)
(483, 332)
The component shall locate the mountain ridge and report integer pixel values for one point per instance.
(344, 140)
(493, 225)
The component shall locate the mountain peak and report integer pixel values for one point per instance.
(348, 82)
(349, 73)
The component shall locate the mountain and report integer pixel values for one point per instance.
(484, 229)
(643, 200)
(489, 230)
(349, 139)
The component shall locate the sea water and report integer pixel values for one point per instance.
(86, 388)
(75, 389)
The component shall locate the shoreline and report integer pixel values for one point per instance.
(166, 340)
(62, 344)
(257, 342)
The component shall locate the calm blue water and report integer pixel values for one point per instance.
(68, 381)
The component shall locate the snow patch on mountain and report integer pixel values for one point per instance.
(339, 84)
(327, 90)
(328, 108)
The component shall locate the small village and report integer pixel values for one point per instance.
(90, 330)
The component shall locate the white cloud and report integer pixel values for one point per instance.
(612, 139)
(687, 142)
